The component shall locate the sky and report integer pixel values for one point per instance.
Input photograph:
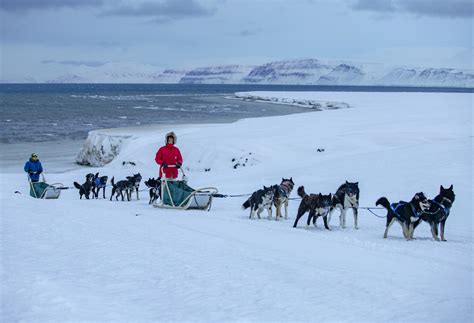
(46, 38)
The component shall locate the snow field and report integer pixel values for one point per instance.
(75, 260)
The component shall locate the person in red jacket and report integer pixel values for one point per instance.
(168, 155)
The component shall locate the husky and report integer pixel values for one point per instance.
(317, 205)
(86, 188)
(135, 180)
(405, 213)
(120, 187)
(154, 185)
(260, 200)
(100, 182)
(346, 197)
(438, 212)
(282, 193)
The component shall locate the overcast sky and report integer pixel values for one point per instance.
(52, 36)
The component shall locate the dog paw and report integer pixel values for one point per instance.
(444, 240)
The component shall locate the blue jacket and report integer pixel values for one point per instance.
(34, 166)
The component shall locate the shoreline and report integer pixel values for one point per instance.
(14, 155)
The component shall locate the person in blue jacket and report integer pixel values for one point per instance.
(33, 168)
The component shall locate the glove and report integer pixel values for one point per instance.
(178, 165)
(164, 165)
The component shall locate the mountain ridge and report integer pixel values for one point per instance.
(308, 71)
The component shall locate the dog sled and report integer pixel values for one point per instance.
(42, 190)
(177, 194)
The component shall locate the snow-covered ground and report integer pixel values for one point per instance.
(94, 260)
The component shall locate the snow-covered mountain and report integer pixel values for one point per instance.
(169, 76)
(315, 72)
(306, 71)
(225, 74)
(287, 72)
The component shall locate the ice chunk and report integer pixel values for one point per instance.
(100, 148)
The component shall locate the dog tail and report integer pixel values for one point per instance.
(384, 202)
(301, 192)
(112, 181)
(77, 185)
(246, 204)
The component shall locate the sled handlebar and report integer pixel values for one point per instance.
(42, 176)
(173, 166)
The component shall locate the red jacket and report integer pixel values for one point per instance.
(170, 155)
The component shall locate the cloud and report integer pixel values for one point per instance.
(162, 12)
(74, 63)
(433, 8)
(374, 5)
(26, 5)
(250, 32)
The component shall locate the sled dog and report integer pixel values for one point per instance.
(346, 197)
(121, 187)
(282, 193)
(405, 213)
(155, 189)
(316, 204)
(135, 181)
(260, 200)
(86, 188)
(438, 212)
(100, 182)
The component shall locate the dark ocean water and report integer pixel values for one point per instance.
(48, 112)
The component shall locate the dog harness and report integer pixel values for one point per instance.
(98, 183)
(443, 208)
(284, 188)
(396, 206)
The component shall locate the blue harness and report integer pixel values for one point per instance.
(396, 206)
(443, 208)
(98, 183)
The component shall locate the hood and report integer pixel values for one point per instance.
(172, 134)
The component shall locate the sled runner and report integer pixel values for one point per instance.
(42, 190)
(176, 194)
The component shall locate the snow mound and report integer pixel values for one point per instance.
(309, 103)
(100, 149)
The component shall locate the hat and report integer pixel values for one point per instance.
(33, 155)
(171, 134)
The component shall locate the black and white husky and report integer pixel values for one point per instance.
(135, 181)
(282, 193)
(260, 200)
(121, 187)
(346, 197)
(155, 189)
(405, 213)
